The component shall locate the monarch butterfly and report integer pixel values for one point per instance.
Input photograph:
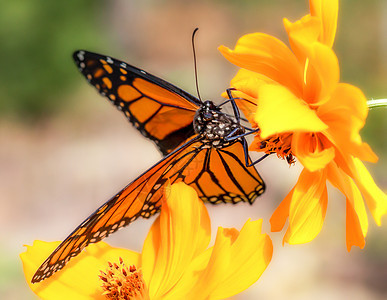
(203, 147)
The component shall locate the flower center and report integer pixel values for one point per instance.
(122, 283)
(279, 144)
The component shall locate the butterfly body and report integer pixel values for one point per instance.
(194, 137)
(215, 126)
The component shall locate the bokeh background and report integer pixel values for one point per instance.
(64, 150)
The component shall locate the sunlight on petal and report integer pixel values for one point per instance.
(280, 111)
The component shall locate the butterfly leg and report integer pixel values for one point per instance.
(232, 137)
(246, 151)
(234, 106)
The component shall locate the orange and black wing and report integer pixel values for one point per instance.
(219, 175)
(159, 110)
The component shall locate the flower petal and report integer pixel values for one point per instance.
(307, 207)
(376, 199)
(246, 85)
(248, 81)
(268, 56)
(281, 214)
(281, 111)
(181, 232)
(345, 113)
(321, 67)
(354, 234)
(322, 73)
(307, 29)
(230, 270)
(356, 220)
(327, 12)
(312, 150)
(79, 279)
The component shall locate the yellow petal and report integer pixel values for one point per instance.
(235, 265)
(79, 278)
(311, 150)
(280, 111)
(268, 56)
(246, 84)
(307, 207)
(248, 81)
(356, 220)
(219, 263)
(247, 105)
(180, 234)
(376, 199)
(327, 12)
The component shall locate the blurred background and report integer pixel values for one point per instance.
(65, 150)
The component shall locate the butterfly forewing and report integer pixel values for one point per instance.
(159, 110)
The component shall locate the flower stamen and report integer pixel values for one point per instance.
(279, 144)
(122, 283)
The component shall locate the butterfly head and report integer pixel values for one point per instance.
(207, 110)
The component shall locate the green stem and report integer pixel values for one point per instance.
(374, 103)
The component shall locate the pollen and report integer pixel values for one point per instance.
(120, 282)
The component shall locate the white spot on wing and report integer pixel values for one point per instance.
(80, 55)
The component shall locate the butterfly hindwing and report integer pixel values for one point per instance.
(224, 177)
(210, 171)
(159, 110)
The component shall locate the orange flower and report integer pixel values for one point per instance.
(175, 262)
(293, 95)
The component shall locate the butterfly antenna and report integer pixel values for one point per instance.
(195, 65)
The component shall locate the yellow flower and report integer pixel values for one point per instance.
(293, 95)
(174, 264)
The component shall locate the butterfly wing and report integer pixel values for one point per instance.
(159, 110)
(211, 171)
(220, 175)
